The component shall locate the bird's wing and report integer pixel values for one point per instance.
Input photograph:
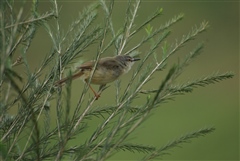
(109, 63)
(86, 65)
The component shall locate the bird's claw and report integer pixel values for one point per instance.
(97, 96)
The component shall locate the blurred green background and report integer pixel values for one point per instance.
(215, 105)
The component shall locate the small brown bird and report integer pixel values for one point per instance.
(107, 70)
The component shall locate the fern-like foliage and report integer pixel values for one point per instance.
(177, 142)
(32, 96)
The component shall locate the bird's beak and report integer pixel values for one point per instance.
(135, 59)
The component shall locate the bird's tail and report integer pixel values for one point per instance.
(74, 76)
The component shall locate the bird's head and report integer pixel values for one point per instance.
(127, 61)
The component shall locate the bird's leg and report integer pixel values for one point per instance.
(95, 93)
